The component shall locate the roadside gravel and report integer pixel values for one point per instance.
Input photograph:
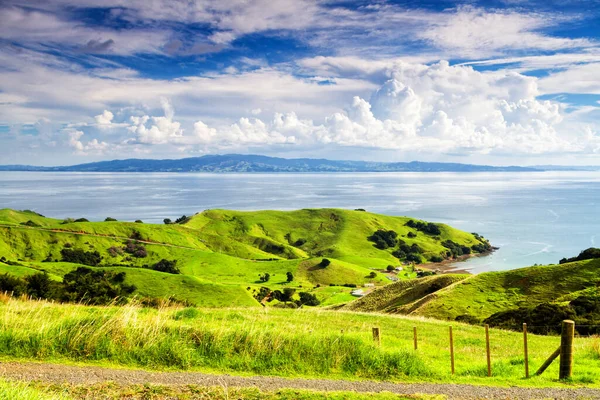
(54, 373)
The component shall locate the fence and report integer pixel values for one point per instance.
(564, 352)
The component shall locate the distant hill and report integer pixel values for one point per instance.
(222, 254)
(257, 163)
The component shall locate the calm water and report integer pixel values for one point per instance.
(533, 217)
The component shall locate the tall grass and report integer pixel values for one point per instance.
(133, 336)
(11, 390)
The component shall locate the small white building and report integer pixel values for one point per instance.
(357, 293)
(398, 269)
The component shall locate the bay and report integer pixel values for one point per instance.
(534, 217)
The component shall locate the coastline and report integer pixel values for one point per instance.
(451, 267)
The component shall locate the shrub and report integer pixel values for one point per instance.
(81, 220)
(109, 219)
(168, 266)
(384, 239)
(412, 257)
(427, 227)
(136, 235)
(182, 220)
(289, 276)
(299, 242)
(167, 221)
(30, 223)
(324, 263)
(412, 235)
(265, 278)
(436, 259)
(139, 221)
(390, 268)
(135, 249)
(372, 275)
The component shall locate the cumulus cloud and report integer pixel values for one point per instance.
(104, 119)
(156, 130)
(91, 147)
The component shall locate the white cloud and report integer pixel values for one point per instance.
(91, 147)
(161, 130)
(473, 32)
(104, 119)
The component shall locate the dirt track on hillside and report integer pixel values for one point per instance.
(52, 373)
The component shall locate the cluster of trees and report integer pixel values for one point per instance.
(427, 227)
(181, 220)
(287, 296)
(96, 287)
(410, 253)
(455, 249)
(79, 256)
(587, 254)
(546, 318)
(71, 220)
(384, 239)
(265, 278)
(136, 249)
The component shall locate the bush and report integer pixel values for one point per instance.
(412, 257)
(309, 299)
(436, 259)
(390, 268)
(265, 278)
(299, 242)
(412, 235)
(289, 276)
(79, 256)
(384, 239)
(168, 266)
(81, 220)
(109, 219)
(182, 220)
(324, 263)
(31, 223)
(167, 221)
(139, 221)
(372, 275)
(135, 249)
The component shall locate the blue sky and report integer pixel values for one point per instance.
(494, 82)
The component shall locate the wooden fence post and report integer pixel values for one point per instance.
(526, 354)
(566, 349)
(415, 336)
(451, 351)
(377, 336)
(487, 349)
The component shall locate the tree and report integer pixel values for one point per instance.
(372, 275)
(109, 219)
(265, 277)
(390, 268)
(309, 299)
(79, 256)
(290, 276)
(167, 221)
(139, 221)
(287, 294)
(324, 263)
(95, 287)
(38, 285)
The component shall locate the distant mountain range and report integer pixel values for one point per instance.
(257, 163)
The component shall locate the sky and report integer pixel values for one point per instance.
(499, 82)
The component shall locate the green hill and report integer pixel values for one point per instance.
(475, 298)
(222, 254)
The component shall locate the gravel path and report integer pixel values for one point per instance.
(54, 373)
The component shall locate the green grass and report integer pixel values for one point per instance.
(289, 343)
(484, 294)
(226, 249)
(14, 390)
(190, 392)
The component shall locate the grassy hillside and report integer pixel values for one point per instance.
(222, 253)
(480, 296)
(290, 343)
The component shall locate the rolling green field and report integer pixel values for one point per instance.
(222, 254)
(479, 296)
(288, 343)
